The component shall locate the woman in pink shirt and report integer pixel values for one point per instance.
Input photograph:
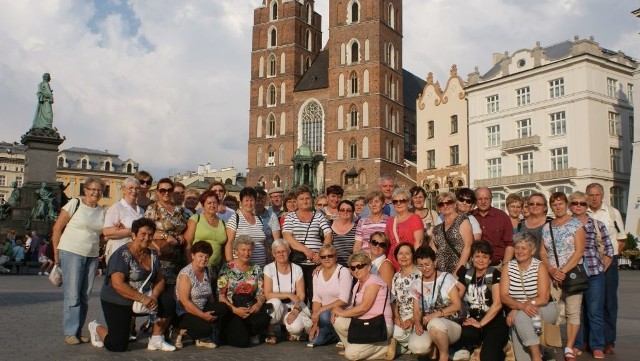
(404, 227)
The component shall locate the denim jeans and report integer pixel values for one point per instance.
(326, 334)
(592, 327)
(611, 279)
(78, 273)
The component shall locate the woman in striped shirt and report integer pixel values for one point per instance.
(524, 290)
(245, 222)
(344, 231)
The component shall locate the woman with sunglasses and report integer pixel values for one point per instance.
(401, 295)
(375, 221)
(453, 237)
(563, 249)
(169, 242)
(421, 208)
(380, 265)
(436, 303)
(466, 202)
(146, 180)
(331, 288)
(284, 290)
(343, 231)
(370, 298)
(598, 253)
(404, 226)
(537, 208)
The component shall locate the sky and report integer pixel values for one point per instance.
(166, 82)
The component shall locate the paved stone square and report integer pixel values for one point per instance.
(31, 323)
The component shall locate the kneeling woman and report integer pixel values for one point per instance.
(284, 288)
(198, 314)
(436, 303)
(370, 298)
(129, 268)
(486, 324)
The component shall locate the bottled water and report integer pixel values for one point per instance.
(153, 316)
(537, 322)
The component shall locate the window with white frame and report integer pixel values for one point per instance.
(499, 201)
(525, 163)
(558, 123)
(630, 93)
(523, 127)
(454, 124)
(271, 97)
(431, 129)
(523, 96)
(614, 124)
(271, 157)
(616, 159)
(612, 85)
(563, 189)
(494, 167)
(353, 149)
(273, 37)
(3, 197)
(281, 154)
(556, 88)
(493, 136)
(272, 65)
(354, 83)
(617, 197)
(353, 115)
(3, 180)
(274, 10)
(355, 12)
(454, 155)
(19, 181)
(493, 104)
(431, 159)
(355, 52)
(559, 158)
(313, 125)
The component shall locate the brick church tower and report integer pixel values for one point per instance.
(330, 116)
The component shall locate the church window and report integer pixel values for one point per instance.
(271, 101)
(355, 52)
(273, 37)
(355, 12)
(354, 116)
(272, 65)
(312, 119)
(274, 10)
(354, 83)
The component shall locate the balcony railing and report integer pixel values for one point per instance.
(513, 144)
(527, 178)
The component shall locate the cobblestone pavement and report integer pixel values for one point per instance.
(31, 323)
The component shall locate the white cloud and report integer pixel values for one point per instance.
(169, 87)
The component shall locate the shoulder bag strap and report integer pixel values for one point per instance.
(395, 228)
(446, 239)
(153, 258)
(553, 243)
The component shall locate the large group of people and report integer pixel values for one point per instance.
(440, 282)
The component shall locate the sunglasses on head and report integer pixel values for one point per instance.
(399, 201)
(358, 266)
(147, 182)
(465, 200)
(165, 190)
(445, 203)
(582, 204)
(375, 243)
(327, 256)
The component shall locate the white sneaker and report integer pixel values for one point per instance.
(161, 345)
(461, 355)
(46, 273)
(39, 273)
(93, 332)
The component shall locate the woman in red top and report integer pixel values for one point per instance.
(404, 226)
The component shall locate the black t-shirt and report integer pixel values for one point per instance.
(477, 295)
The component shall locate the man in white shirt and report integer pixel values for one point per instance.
(613, 221)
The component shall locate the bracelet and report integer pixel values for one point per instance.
(141, 297)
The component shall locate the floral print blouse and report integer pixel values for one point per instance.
(174, 224)
(401, 292)
(232, 280)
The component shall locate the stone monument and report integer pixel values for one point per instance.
(35, 205)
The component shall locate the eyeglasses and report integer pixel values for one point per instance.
(321, 204)
(217, 190)
(375, 243)
(358, 266)
(581, 204)
(423, 265)
(95, 190)
(445, 203)
(399, 201)
(327, 256)
(345, 210)
(465, 200)
(532, 204)
(165, 190)
(145, 182)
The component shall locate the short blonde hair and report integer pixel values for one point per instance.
(361, 257)
(445, 195)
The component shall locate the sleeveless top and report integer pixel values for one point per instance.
(447, 259)
(528, 278)
(200, 290)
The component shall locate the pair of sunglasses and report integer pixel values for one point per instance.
(375, 243)
(165, 190)
(327, 256)
(358, 266)
(445, 203)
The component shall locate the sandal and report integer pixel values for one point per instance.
(293, 338)
(271, 339)
(569, 355)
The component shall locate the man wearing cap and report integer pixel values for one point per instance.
(275, 195)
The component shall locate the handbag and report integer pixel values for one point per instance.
(55, 277)
(576, 279)
(139, 307)
(368, 331)
(296, 256)
(550, 336)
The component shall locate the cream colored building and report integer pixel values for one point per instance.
(632, 223)
(442, 162)
(76, 164)
(11, 167)
(552, 118)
